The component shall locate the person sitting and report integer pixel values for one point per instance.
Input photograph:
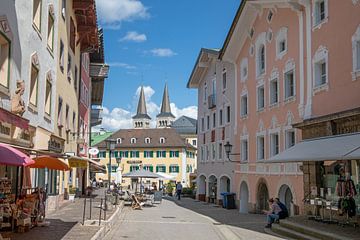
(273, 214)
(284, 211)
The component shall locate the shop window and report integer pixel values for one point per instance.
(274, 144)
(244, 106)
(260, 98)
(4, 61)
(244, 150)
(48, 93)
(34, 85)
(289, 138)
(289, 84)
(260, 142)
(37, 14)
(50, 35)
(274, 91)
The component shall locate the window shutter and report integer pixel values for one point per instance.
(116, 153)
(177, 154)
(137, 154)
(151, 154)
(157, 168)
(127, 154)
(151, 168)
(170, 169)
(177, 169)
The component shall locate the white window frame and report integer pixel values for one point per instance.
(244, 139)
(205, 93)
(286, 136)
(220, 150)
(244, 73)
(316, 22)
(355, 39)
(224, 78)
(262, 85)
(213, 151)
(272, 80)
(133, 140)
(147, 140)
(242, 113)
(289, 67)
(268, 15)
(258, 136)
(162, 140)
(321, 56)
(260, 41)
(118, 141)
(221, 117)
(280, 37)
(272, 134)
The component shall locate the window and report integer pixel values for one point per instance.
(102, 154)
(244, 105)
(320, 74)
(37, 14)
(74, 122)
(320, 11)
(174, 169)
(207, 122)
(161, 168)
(357, 56)
(289, 138)
(289, 84)
(214, 120)
(244, 150)
(270, 16)
(133, 140)
(213, 150)
(244, 69)
(118, 141)
(274, 91)
(63, 8)
(220, 150)
(205, 92)
(260, 97)
(134, 154)
(260, 141)
(194, 142)
(202, 124)
(274, 144)
(34, 85)
(148, 154)
(72, 35)
(76, 83)
(147, 140)
(161, 154)
(50, 39)
(69, 68)
(67, 118)
(162, 140)
(251, 32)
(224, 78)
(281, 42)
(228, 114)
(220, 117)
(261, 60)
(214, 90)
(134, 168)
(4, 61)
(48, 92)
(60, 110)
(61, 60)
(174, 154)
(356, 53)
(207, 153)
(149, 168)
(202, 154)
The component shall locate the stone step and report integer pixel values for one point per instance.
(309, 231)
(288, 233)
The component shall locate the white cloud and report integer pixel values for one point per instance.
(119, 118)
(112, 12)
(134, 37)
(163, 52)
(122, 65)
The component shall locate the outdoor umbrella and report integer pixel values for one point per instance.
(50, 162)
(165, 176)
(141, 174)
(118, 176)
(13, 157)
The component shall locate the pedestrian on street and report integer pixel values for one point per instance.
(273, 214)
(178, 190)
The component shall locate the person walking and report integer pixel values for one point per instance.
(273, 214)
(178, 190)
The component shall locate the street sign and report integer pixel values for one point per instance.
(93, 151)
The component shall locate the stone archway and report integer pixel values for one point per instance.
(244, 198)
(262, 196)
(201, 190)
(224, 184)
(286, 197)
(212, 188)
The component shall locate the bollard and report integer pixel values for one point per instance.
(101, 204)
(84, 211)
(90, 206)
(105, 209)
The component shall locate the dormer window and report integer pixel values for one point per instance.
(133, 140)
(162, 140)
(147, 140)
(118, 141)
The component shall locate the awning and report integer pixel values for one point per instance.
(12, 156)
(141, 174)
(78, 162)
(340, 147)
(50, 162)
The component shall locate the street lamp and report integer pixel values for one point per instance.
(228, 148)
(110, 144)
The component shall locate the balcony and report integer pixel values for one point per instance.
(211, 101)
(96, 116)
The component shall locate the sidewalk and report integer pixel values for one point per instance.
(66, 223)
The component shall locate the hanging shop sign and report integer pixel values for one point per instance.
(75, 163)
(56, 144)
(93, 151)
(134, 162)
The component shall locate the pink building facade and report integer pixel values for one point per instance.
(293, 61)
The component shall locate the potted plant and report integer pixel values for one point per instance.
(72, 192)
(169, 189)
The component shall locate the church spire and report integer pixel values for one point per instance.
(165, 118)
(141, 119)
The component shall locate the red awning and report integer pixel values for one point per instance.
(13, 119)
(13, 157)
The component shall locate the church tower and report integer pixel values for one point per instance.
(141, 119)
(165, 118)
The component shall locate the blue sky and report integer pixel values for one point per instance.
(152, 42)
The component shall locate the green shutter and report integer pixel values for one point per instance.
(170, 169)
(177, 154)
(127, 154)
(151, 168)
(116, 154)
(177, 169)
(137, 167)
(157, 168)
(137, 154)
(151, 154)
(164, 154)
